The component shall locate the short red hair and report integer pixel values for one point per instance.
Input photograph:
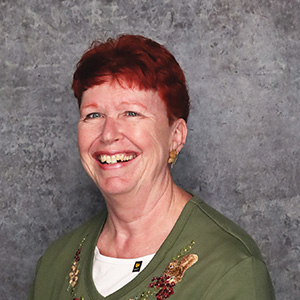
(137, 61)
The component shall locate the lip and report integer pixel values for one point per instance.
(115, 165)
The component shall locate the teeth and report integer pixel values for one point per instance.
(113, 159)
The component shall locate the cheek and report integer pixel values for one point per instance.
(163, 135)
(146, 137)
(155, 140)
(83, 139)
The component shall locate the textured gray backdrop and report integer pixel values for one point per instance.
(241, 60)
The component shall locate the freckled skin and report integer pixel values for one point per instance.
(147, 134)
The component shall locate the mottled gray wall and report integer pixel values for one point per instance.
(241, 60)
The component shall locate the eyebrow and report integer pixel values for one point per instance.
(94, 105)
(134, 103)
(89, 105)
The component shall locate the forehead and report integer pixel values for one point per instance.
(112, 93)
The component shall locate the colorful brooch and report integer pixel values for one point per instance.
(162, 287)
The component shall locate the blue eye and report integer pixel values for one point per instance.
(132, 114)
(93, 116)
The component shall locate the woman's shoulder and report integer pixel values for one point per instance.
(54, 265)
(224, 231)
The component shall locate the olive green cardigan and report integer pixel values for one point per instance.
(229, 264)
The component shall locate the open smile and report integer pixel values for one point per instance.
(116, 158)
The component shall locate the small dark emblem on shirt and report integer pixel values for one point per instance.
(137, 266)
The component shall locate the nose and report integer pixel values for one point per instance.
(110, 131)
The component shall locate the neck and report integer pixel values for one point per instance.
(140, 221)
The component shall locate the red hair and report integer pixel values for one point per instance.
(137, 61)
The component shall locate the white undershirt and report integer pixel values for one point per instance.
(110, 273)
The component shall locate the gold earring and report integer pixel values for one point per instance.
(172, 158)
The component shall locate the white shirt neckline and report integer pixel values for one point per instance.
(111, 273)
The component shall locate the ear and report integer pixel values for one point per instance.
(179, 134)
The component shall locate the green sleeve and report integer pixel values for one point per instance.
(31, 291)
(248, 280)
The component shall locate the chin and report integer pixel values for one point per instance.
(115, 186)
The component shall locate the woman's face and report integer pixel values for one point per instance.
(124, 138)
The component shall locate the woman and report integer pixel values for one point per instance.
(153, 240)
